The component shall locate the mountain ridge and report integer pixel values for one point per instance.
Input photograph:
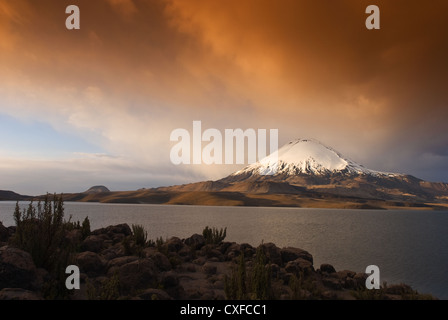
(309, 174)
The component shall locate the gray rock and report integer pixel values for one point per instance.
(332, 283)
(209, 268)
(328, 268)
(215, 253)
(111, 230)
(224, 246)
(200, 261)
(346, 274)
(360, 280)
(154, 294)
(161, 261)
(18, 294)
(93, 243)
(233, 255)
(170, 279)
(17, 269)
(115, 251)
(196, 241)
(291, 254)
(233, 251)
(190, 268)
(136, 275)
(173, 244)
(120, 261)
(299, 265)
(350, 283)
(186, 253)
(248, 250)
(90, 263)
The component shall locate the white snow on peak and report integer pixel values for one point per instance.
(307, 156)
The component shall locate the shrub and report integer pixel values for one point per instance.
(235, 287)
(41, 230)
(140, 235)
(254, 285)
(261, 277)
(85, 228)
(108, 289)
(214, 236)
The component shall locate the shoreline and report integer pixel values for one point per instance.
(379, 205)
(115, 263)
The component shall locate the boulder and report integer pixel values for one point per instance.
(154, 294)
(4, 233)
(214, 253)
(224, 246)
(291, 254)
(115, 251)
(196, 241)
(111, 230)
(299, 265)
(209, 268)
(332, 283)
(17, 269)
(328, 268)
(173, 244)
(247, 249)
(346, 278)
(120, 261)
(93, 243)
(137, 275)
(360, 280)
(346, 274)
(18, 294)
(186, 253)
(273, 253)
(90, 263)
(170, 279)
(233, 251)
(161, 261)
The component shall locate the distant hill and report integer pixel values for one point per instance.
(12, 196)
(307, 174)
(97, 189)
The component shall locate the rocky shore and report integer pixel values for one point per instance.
(112, 266)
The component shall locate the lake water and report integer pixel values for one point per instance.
(408, 246)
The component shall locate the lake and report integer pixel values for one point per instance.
(407, 246)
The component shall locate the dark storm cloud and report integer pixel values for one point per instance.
(308, 68)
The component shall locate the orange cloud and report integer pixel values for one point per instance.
(138, 69)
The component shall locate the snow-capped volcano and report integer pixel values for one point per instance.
(306, 156)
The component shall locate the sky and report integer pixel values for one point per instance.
(96, 106)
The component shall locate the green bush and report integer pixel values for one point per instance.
(108, 289)
(41, 231)
(261, 277)
(213, 235)
(85, 228)
(235, 287)
(255, 284)
(140, 235)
